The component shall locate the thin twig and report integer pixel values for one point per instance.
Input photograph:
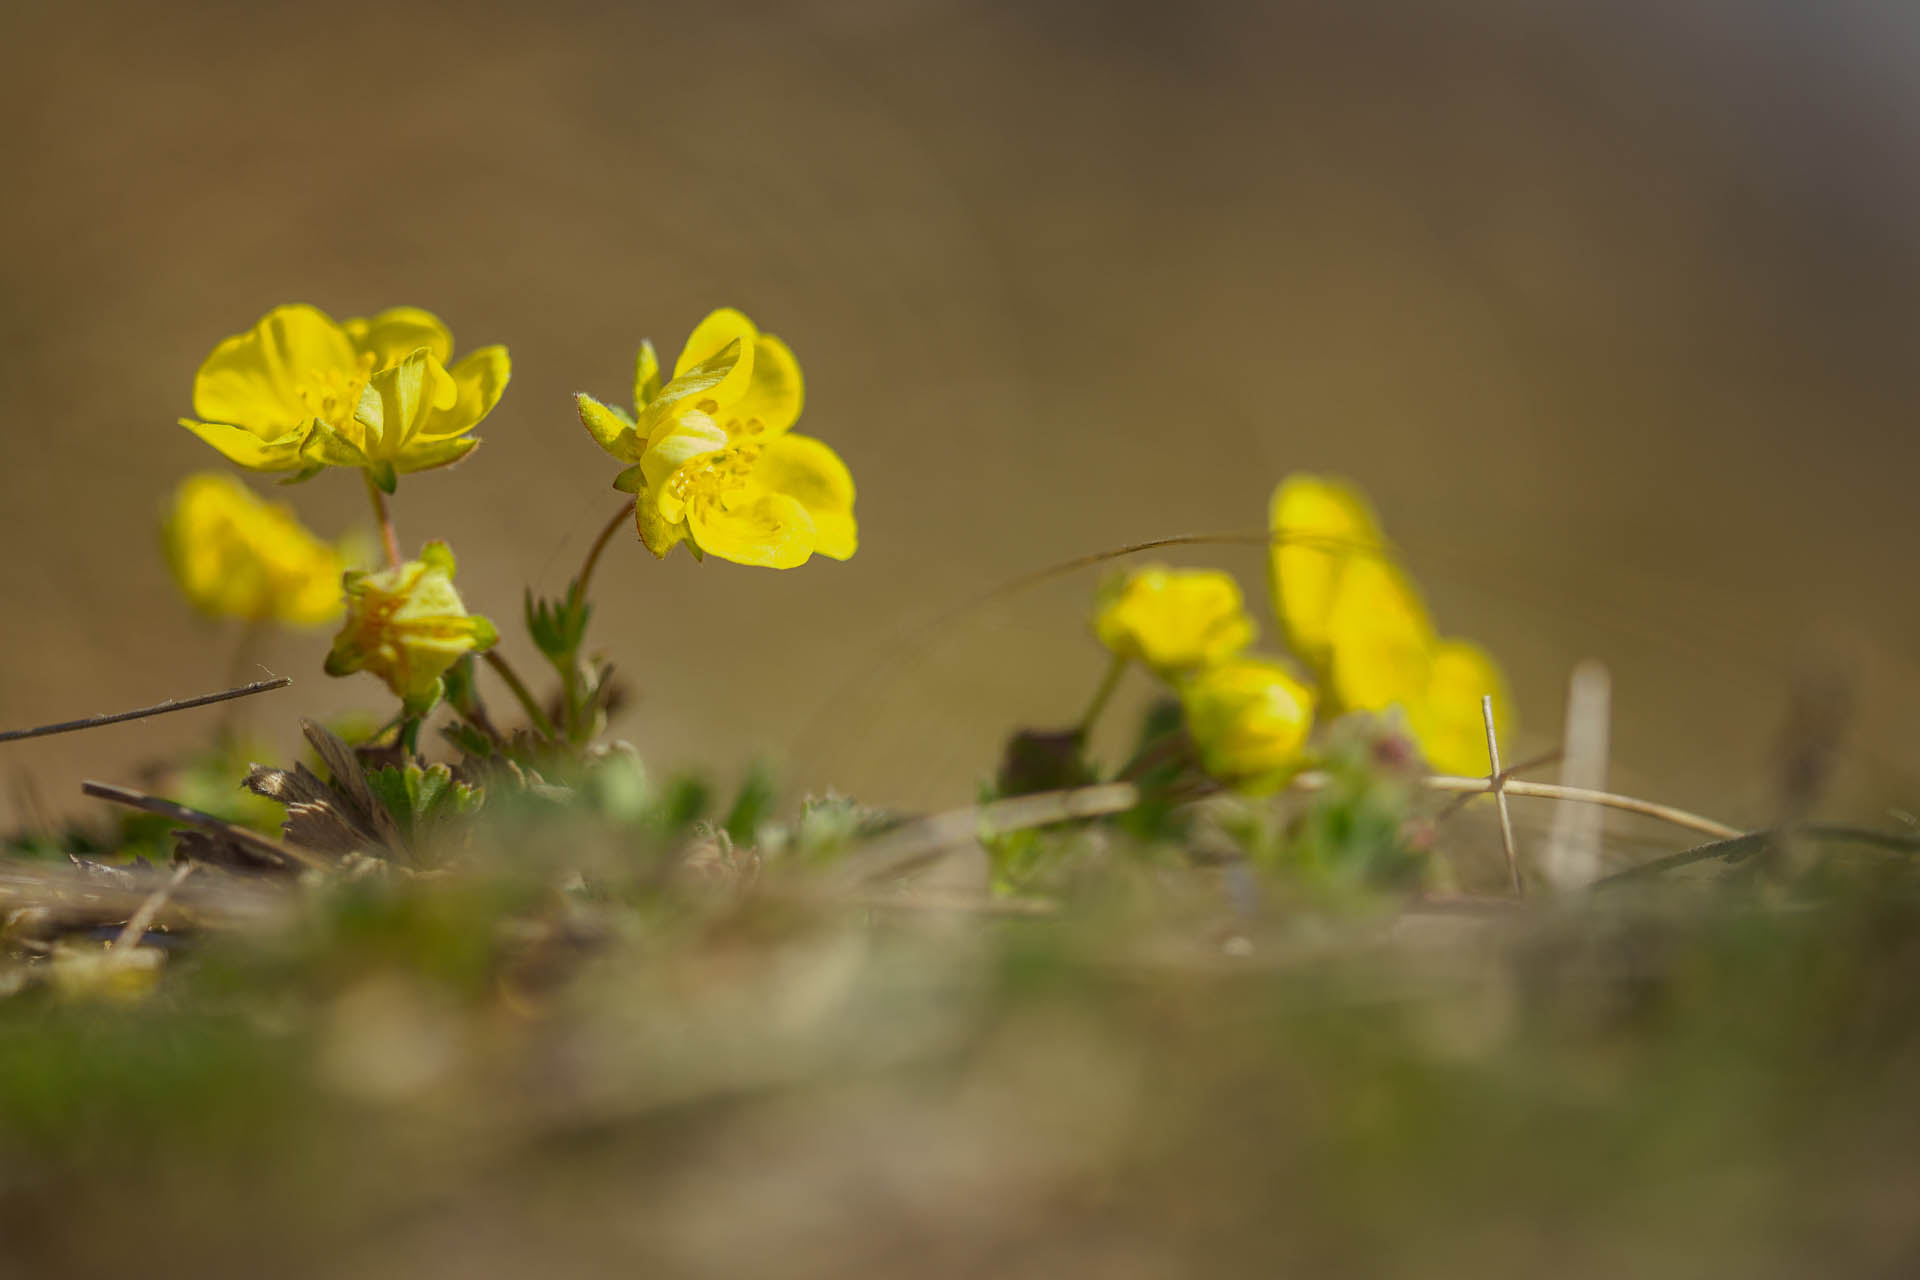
(138, 924)
(899, 851)
(1740, 848)
(158, 709)
(1498, 784)
(252, 841)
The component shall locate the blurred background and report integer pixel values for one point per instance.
(1609, 306)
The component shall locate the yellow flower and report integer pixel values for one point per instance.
(1352, 614)
(408, 626)
(298, 392)
(238, 557)
(1173, 619)
(1249, 717)
(1319, 527)
(711, 460)
(1386, 653)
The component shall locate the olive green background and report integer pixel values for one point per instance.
(1610, 307)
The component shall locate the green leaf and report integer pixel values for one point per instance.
(468, 739)
(389, 787)
(753, 803)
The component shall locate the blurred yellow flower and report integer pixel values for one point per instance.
(711, 460)
(1385, 653)
(236, 556)
(1173, 619)
(298, 392)
(408, 625)
(1250, 718)
(1319, 528)
(1351, 613)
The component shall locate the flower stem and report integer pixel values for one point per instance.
(574, 721)
(1108, 683)
(579, 585)
(528, 702)
(387, 536)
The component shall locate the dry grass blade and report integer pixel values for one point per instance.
(72, 897)
(1497, 783)
(142, 920)
(896, 852)
(141, 713)
(1314, 781)
(252, 841)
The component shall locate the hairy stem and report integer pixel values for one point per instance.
(579, 587)
(387, 536)
(1102, 695)
(528, 702)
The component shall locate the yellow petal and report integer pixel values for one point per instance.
(1173, 619)
(280, 453)
(708, 340)
(425, 455)
(237, 556)
(399, 399)
(479, 380)
(397, 333)
(659, 534)
(771, 530)
(1379, 638)
(1447, 721)
(1249, 717)
(773, 397)
(255, 379)
(807, 470)
(1320, 527)
(694, 387)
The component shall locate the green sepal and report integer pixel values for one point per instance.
(632, 480)
(611, 429)
(421, 704)
(485, 634)
(646, 375)
(558, 627)
(384, 476)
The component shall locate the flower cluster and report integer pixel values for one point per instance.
(1349, 614)
(1355, 617)
(710, 456)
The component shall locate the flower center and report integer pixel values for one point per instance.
(332, 395)
(714, 477)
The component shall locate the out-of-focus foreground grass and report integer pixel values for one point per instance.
(686, 1061)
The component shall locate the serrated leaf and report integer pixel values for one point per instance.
(426, 787)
